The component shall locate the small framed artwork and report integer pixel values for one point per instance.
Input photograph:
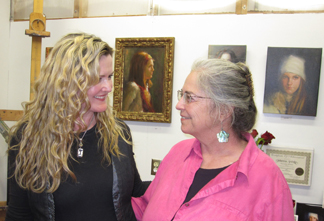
(295, 164)
(47, 51)
(309, 212)
(233, 53)
(143, 79)
(292, 81)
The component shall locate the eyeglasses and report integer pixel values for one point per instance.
(188, 98)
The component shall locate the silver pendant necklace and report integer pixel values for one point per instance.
(80, 149)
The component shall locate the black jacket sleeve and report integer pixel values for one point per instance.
(139, 185)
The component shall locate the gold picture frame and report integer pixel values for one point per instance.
(48, 51)
(158, 93)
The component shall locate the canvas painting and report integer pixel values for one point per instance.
(292, 81)
(309, 212)
(233, 53)
(143, 79)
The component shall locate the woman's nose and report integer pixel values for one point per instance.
(107, 86)
(180, 104)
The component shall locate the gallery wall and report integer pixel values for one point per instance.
(193, 34)
(4, 85)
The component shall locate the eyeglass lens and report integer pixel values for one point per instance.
(180, 94)
(186, 97)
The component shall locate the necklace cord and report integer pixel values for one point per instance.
(80, 150)
(87, 128)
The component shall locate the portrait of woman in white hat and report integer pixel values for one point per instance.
(291, 95)
(313, 217)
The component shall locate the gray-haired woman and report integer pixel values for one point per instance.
(220, 174)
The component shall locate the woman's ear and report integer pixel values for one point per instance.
(226, 112)
(222, 113)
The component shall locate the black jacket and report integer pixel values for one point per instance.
(126, 183)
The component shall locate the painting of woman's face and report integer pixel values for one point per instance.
(311, 218)
(226, 56)
(148, 70)
(290, 82)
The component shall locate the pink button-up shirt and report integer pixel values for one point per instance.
(253, 188)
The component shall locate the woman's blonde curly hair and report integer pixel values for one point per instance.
(45, 132)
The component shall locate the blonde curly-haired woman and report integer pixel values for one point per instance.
(69, 157)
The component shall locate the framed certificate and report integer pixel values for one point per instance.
(295, 164)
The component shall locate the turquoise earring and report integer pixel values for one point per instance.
(222, 136)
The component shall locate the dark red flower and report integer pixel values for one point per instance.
(254, 133)
(267, 138)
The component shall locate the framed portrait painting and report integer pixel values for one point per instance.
(233, 53)
(143, 79)
(47, 51)
(309, 212)
(292, 81)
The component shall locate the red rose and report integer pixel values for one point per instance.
(254, 133)
(267, 138)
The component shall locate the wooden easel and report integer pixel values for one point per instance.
(37, 30)
(37, 26)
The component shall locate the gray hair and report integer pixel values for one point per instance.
(230, 87)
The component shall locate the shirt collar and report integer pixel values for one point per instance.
(195, 149)
(244, 163)
(248, 156)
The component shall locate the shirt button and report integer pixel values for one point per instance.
(187, 204)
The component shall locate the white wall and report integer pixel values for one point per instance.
(4, 77)
(192, 35)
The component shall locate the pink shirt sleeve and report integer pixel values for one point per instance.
(281, 208)
(139, 204)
